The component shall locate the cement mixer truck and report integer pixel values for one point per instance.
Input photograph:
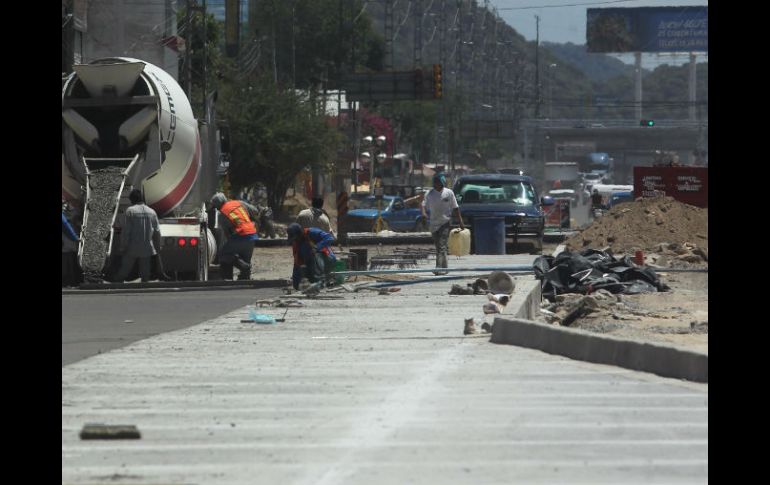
(127, 124)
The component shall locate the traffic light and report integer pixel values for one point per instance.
(437, 82)
(647, 123)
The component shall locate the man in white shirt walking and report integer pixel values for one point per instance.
(440, 202)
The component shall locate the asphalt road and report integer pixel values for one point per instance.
(96, 323)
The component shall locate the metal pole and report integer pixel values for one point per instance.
(537, 67)
(188, 47)
(693, 86)
(205, 37)
(511, 268)
(638, 84)
(418, 34)
(356, 148)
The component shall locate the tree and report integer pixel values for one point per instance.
(416, 124)
(215, 61)
(275, 134)
(306, 41)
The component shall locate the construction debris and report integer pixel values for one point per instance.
(491, 307)
(110, 432)
(459, 290)
(590, 270)
(470, 327)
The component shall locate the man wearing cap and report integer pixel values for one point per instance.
(316, 216)
(440, 203)
(241, 233)
(313, 255)
(140, 229)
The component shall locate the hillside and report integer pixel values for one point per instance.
(597, 67)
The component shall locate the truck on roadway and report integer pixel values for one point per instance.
(128, 124)
(562, 180)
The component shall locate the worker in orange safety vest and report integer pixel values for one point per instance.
(240, 231)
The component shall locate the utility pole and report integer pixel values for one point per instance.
(389, 56)
(460, 66)
(638, 84)
(537, 67)
(442, 125)
(205, 64)
(188, 47)
(693, 86)
(418, 33)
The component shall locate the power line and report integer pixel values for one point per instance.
(565, 5)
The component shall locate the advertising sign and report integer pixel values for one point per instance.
(685, 184)
(647, 29)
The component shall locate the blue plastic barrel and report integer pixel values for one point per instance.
(489, 235)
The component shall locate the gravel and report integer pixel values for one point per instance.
(104, 185)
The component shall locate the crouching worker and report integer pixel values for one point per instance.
(240, 232)
(313, 256)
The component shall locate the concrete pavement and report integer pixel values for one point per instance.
(375, 389)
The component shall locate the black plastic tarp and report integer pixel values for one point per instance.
(589, 270)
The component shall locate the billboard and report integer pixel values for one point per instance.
(685, 184)
(647, 29)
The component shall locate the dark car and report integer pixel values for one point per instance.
(511, 171)
(392, 210)
(512, 197)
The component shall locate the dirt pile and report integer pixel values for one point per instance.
(669, 232)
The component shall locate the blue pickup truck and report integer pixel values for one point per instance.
(512, 197)
(392, 210)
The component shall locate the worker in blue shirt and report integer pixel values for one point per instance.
(69, 253)
(313, 255)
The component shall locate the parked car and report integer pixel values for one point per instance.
(393, 211)
(512, 197)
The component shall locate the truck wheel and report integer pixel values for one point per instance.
(203, 257)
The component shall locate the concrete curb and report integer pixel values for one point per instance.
(662, 360)
(526, 299)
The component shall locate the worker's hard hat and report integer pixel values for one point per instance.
(293, 232)
(217, 200)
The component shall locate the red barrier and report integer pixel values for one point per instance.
(557, 215)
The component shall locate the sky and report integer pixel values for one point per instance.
(563, 21)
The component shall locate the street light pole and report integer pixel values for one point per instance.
(550, 90)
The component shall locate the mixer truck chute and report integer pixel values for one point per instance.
(127, 124)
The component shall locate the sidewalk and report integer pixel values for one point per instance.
(375, 389)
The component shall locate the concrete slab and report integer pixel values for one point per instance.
(375, 389)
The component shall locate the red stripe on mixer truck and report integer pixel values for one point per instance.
(175, 197)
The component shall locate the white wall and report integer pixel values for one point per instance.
(132, 28)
